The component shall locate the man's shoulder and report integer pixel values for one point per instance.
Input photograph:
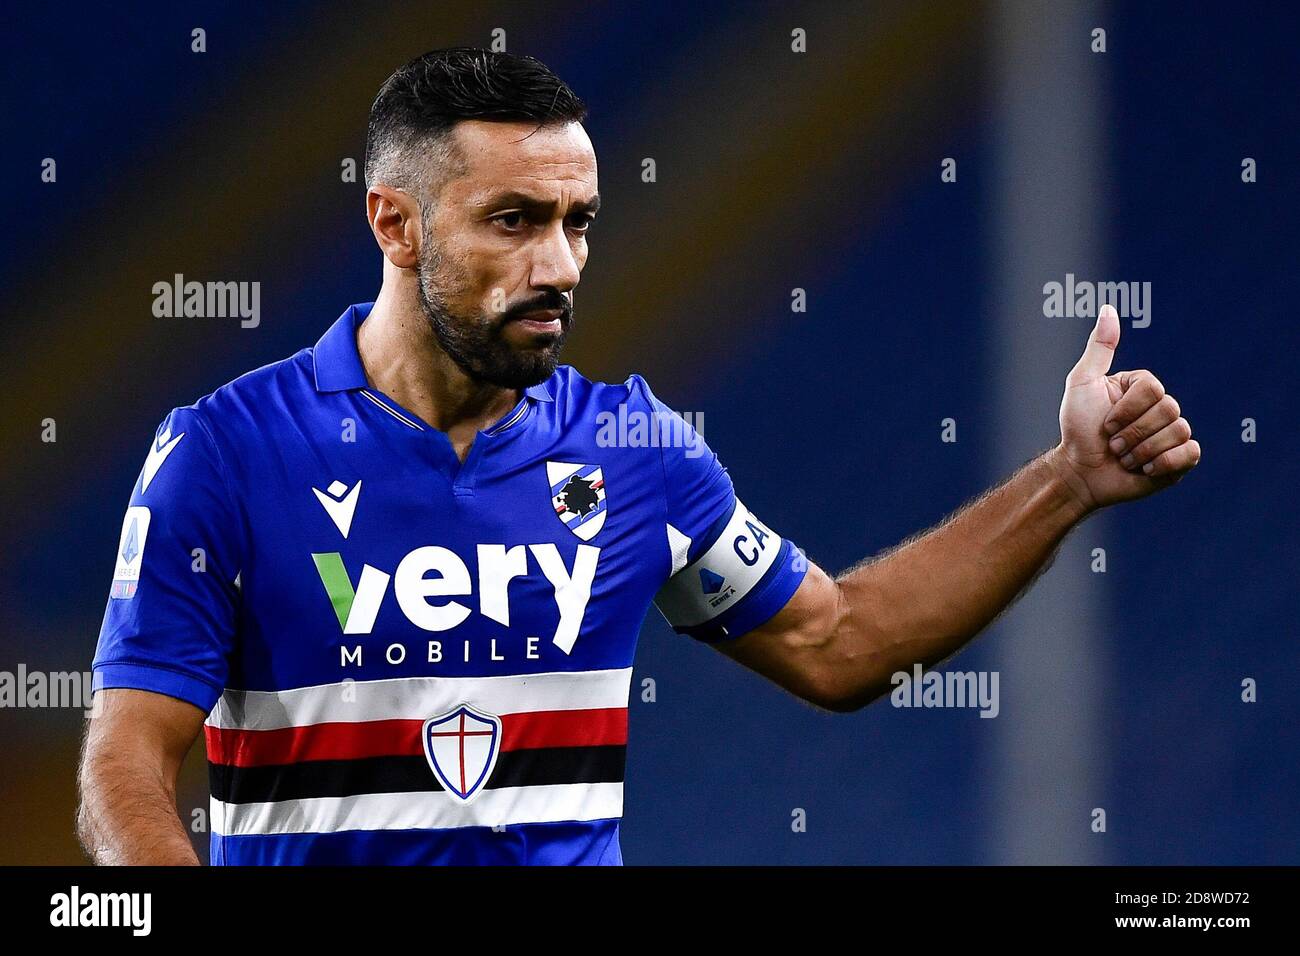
(580, 396)
(256, 399)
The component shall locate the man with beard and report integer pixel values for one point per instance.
(411, 635)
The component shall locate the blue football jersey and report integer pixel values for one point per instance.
(405, 658)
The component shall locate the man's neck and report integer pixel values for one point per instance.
(403, 360)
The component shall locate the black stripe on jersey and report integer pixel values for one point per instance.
(346, 778)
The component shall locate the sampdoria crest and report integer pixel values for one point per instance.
(578, 497)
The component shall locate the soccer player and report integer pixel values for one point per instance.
(397, 578)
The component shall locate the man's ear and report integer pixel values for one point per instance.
(395, 220)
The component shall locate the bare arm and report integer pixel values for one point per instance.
(127, 780)
(838, 642)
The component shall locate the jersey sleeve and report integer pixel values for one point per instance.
(729, 572)
(170, 622)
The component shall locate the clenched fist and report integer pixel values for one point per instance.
(1122, 435)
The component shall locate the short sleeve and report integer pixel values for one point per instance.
(170, 622)
(729, 572)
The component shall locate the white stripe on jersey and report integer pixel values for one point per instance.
(420, 697)
(427, 810)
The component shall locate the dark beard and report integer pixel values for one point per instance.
(476, 344)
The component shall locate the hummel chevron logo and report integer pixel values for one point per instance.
(339, 508)
(158, 453)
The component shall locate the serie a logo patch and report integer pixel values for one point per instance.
(130, 553)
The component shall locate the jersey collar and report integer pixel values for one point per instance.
(338, 364)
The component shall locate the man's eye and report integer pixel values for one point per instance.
(582, 223)
(511, 220)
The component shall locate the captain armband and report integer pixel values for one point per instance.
(738, 583)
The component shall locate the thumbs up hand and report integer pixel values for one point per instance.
(1122, 434)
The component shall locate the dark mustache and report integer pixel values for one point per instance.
(550, 301)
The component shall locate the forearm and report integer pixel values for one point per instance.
(128, 815)
(924, 600)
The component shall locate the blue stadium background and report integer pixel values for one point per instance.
(776, 170)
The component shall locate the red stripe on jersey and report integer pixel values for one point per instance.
(328, 741)
(564, 728)
(388, 738)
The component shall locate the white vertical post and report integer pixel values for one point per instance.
(1046, 771)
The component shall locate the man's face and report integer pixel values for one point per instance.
(504, 247)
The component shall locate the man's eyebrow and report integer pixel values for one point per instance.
(533, 204)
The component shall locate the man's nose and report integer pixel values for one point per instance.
(554, 264)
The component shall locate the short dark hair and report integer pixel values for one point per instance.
(417, 107)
